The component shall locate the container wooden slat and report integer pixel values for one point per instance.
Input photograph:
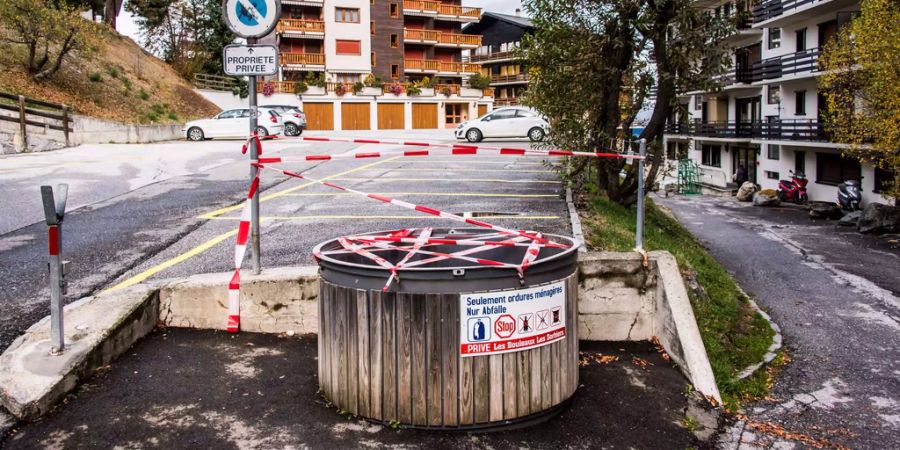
(418, 371)
(396, 357)
(404, 363)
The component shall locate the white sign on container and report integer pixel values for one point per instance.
(245, 60)
(510, 321)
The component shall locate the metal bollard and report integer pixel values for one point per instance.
(54, 213)
(639, 228)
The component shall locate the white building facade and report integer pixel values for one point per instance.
(768, 116)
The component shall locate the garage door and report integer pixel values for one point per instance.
(355, 116)
(319, 116)
(424, 115)
(482, 110)
(390, 116)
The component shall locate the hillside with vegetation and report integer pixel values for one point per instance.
(108, 77)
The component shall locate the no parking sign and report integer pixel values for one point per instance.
(251, 18)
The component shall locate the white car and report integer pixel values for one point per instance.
(510, 122)
(233, 123)
(294, 119)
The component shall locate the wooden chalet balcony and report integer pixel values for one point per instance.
(513, 78)
(421, 65)
(441, 39)
(455, 67)
(319, 3)
(300, 26)
(460, 12)
(278, 87)
(493, 56)
(506, 101)
(302, 59)
(459, 40)
(447, 12)
(423, 36)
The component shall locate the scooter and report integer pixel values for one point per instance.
(794, 189)
(849, 195)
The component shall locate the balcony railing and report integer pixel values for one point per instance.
(440, 38)
(523, 77)
(455, 67)
(412, 34)
(303, 59)
(459, 40)
(300, 26)
(770, 9)
(492, 56)
(422, 6)
(810, 130)
(278, 87)
(433, 8)
(421, 65)
(507, 101)
(459, 11)
(779, 66)
(304, 2)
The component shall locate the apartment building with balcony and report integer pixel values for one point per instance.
(501, 35)
(399, 41)
(768, 114)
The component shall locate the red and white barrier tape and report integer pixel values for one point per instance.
(240, 249)
(467, 149)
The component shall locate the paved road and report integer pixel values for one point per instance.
(835, 295)
(132, 226)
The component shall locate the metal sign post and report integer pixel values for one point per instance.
(252, 19)
(54, 213)
(639, 228)
(254, 172)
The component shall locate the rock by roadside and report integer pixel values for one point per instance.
(879, 218)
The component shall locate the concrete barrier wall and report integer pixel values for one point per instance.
(95, 131)
(620, 298)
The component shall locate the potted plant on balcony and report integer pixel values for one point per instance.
(300, 87)
(396, 89)
(315, 83)
(426, 86)
(357, 87)
(477, 84)
(340, 89)
(372, 85)
(268, 89)
(412, 89)
(446, 91)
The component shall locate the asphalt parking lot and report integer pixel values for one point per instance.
(184, 388)
(151, 211)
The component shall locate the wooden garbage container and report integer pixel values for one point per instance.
(451, 344)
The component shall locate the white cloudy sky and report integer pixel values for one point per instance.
(125, 23)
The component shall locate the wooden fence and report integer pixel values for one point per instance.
(214, 82)
(50, 115)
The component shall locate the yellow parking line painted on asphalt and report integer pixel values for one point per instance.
(264, 198)
(172, 262)
(218, 239)
(353, 217)
(478, 180)
(425, 194)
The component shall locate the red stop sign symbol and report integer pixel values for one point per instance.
(505, 326)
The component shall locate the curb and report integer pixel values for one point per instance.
(577, 231)
(772, 351)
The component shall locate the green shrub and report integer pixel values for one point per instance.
(127, 83)
(300, 87)
(479, 81)
(357, 87)
(113, 72)
(173, 117)
(143, 95)
(95, 77)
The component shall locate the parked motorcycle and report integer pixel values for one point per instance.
(793, 190)
(849, 195)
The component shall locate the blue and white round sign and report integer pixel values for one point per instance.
(251, 18)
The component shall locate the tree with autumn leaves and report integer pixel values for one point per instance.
(861, 84)
(593, 63)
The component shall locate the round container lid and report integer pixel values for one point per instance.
(445, 260)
